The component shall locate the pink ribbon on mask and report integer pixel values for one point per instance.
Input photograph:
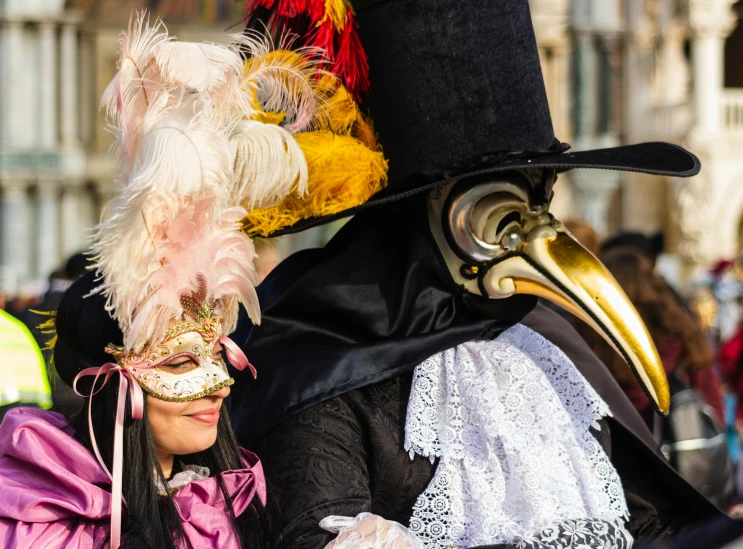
(236, 356)
(137, 403)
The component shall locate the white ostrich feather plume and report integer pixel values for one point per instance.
(129, 94)
(191, 157)
(284, 83)
(268, 164)
(202, 67)
(180, 156)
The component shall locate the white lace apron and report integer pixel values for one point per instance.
(509, 420)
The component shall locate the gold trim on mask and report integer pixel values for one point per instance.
(147, 364)
(202, 394)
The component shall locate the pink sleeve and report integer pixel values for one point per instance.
(63, 534)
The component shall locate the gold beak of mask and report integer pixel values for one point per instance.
(509, 244)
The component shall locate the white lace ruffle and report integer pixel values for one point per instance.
(509, 420)
(578, 534)
(186, 475)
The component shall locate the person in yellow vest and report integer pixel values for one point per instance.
(23, 377)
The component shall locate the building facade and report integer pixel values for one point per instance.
(616, 71)
(645, 70)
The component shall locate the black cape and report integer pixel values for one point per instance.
(376, 302)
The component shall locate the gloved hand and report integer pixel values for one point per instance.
(368, 531)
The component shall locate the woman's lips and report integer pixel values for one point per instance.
(210, 416)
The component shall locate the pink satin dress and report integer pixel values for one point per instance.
(54, 494)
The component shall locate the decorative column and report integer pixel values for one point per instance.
(78, 218)
(73, 239)
(16, 231)
(639, 65)
(595, 26)
(710, 21)
(47, 85)
(643, 197)
(585, 88)
(551, 19)
(69, 80)
(12, 95)
(86, 101)
(674, 71)
(47, 223)
(594, 191)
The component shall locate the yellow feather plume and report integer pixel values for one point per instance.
(343, 173)
(343, 112)
(337, 11)
(49, 328)
(288, 83)
(346, 165)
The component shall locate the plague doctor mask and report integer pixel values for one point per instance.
(498, 239)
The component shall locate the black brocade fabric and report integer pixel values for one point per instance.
(342, 457)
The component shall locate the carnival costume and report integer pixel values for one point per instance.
(172, 269)
(412, 376)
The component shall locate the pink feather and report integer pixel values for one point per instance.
(195, 245)
(137, 83)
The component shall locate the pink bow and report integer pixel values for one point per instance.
(137, 398)
(236, 356)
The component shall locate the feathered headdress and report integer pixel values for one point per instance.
(198, 149)
(345, 163)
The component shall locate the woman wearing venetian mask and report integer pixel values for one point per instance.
(152, 460)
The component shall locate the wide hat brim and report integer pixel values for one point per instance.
(655, 158)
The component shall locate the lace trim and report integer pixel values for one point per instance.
(187, 474)
(579, 534)
(509, 420)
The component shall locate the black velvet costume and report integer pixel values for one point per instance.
(456, 92)
(327, 412)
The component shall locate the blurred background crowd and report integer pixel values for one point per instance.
(617, 71)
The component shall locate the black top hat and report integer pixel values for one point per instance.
(457, 90)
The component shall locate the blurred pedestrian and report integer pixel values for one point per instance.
(584, 233)
(649, 246)
(691, 436)
(682, 346)
(23, 379)
(731, 365)
(37, 314)
(61, 279)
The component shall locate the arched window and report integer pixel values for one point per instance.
(734, 53)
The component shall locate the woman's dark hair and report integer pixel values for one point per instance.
(84, 328)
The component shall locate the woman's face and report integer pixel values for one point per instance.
(180, 428)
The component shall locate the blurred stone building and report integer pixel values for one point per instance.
(644, 70)
(617, 71)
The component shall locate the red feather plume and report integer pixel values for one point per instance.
(341, 44)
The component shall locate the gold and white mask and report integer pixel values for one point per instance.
(187, 363)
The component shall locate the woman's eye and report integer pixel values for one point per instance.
(180, 366)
